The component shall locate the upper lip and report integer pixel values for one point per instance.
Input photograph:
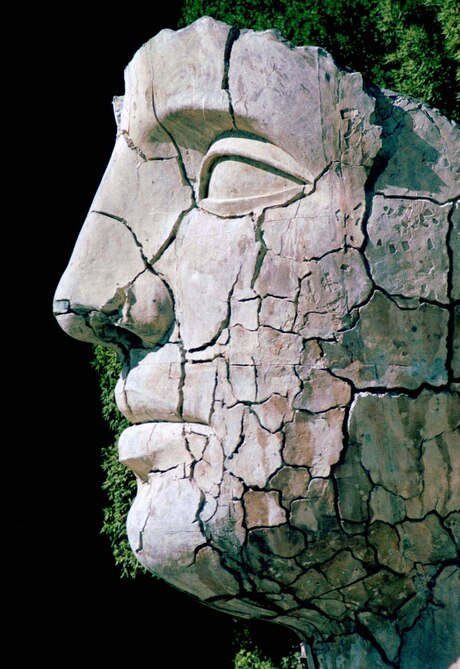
(144, 402)
(152, 405)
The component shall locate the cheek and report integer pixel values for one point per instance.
(211, 260)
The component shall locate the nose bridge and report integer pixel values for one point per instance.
(107, 286)
(104, 260)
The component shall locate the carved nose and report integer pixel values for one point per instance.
(107, 295)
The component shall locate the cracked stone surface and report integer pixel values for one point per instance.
(408, 238)
(274, 253)
(407, 355)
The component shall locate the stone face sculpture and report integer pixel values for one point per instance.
(275, 252)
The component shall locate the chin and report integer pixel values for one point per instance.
(163, 526)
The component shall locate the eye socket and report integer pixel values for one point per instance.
(239, 175)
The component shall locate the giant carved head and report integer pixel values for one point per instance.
(274, 251)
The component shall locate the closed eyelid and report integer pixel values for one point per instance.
(255, 151)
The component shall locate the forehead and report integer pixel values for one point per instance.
(205, 80)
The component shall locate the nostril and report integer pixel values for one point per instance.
(94, 327)
(109, 332)
(148, 311)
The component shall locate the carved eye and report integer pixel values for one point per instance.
(239, 175)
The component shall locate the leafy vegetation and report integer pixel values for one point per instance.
(250, 655)
(254, 659)
(119, 484)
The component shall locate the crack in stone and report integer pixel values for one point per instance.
(417, 198)
(140, 546)
(428, 603)
(394, 391)
(196, 551)
(223, 324)
(172, 235)
(367, 634)
(259, 237)
(213, 401)
(180, 402)
(232, 36)
(450, 294)
(180, 161)
(128, 227)
(412, 303)
(131, 145)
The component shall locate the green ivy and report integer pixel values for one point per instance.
(119, 484)
(250, 656)
(249, 659)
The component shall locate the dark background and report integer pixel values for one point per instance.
(69, 601)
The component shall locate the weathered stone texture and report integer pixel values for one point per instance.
(331, 289)
(454, 242)
(278, 313)
(425, 138)
(353, 486)
(390, 347)
(198, 406)
(408, 238)
(150, 196)
(322, 391)
(263, 509)
(383, 632)
(151, 391)
(438, 622)
(315, 512)
(292, 482)
(309, 229)
(456, 343)
(390, 431)
(258, 457)
(182, 83)
(273, 413)
(154, 447)
(314, 440)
